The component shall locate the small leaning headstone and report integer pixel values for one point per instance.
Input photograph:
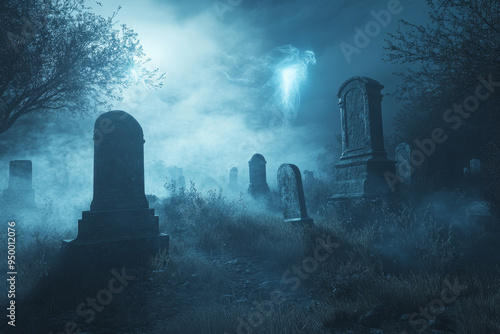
(292, 194)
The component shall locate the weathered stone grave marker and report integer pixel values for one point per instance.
(258, 182)
(177, 176)
(363, 162)
(181, 181)
(403, 166)
(292, 194)
(475, 166)
(309, 177)
(20, 192)
(233, 179)
(120, 227)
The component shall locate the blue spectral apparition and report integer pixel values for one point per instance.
(289, 73)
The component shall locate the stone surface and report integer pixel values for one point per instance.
(20, 175)
(177, 176)
(20, 192)
(181, 181)
(233, 179)
(292, 194)
(403, 166)
(118, 164)
(363, 162)
(120, 227)
(309, 177)
(475, 166)
(258, 181)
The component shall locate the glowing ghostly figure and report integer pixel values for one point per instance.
(289, 73)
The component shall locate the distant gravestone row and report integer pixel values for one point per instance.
(121, 228)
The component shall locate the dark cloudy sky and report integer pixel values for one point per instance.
(216, 107)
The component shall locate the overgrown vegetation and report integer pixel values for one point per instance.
(227, 256)
(449, 73)
(90, 59)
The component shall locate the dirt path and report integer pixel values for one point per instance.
(249, 281)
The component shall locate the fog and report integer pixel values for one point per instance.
(219, 104)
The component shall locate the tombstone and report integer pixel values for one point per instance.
(363, 164)
(403, 166)
(233, 179)
(257, 169)
(176, 175)
(119, 228)
(292, 194)
(309, 177)
(20, 192)
(475, 166)
(181, 182)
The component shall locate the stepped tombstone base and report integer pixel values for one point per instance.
(364, 166)
(117, 252)
(120, 229)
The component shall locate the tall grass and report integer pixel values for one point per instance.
(392, 257)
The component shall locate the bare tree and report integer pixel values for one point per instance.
(444, 62)
(57, 55)
(445, 57)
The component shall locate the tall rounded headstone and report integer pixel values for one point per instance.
(118, 163)
(119, 228)
(258, 181)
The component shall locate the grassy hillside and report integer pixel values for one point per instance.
(369, 266)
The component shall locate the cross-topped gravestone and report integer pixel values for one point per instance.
(120, 226)
(20, 192)
(292, 194)
(363, 162)
(258, 184)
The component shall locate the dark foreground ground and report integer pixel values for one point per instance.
(374, 267)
